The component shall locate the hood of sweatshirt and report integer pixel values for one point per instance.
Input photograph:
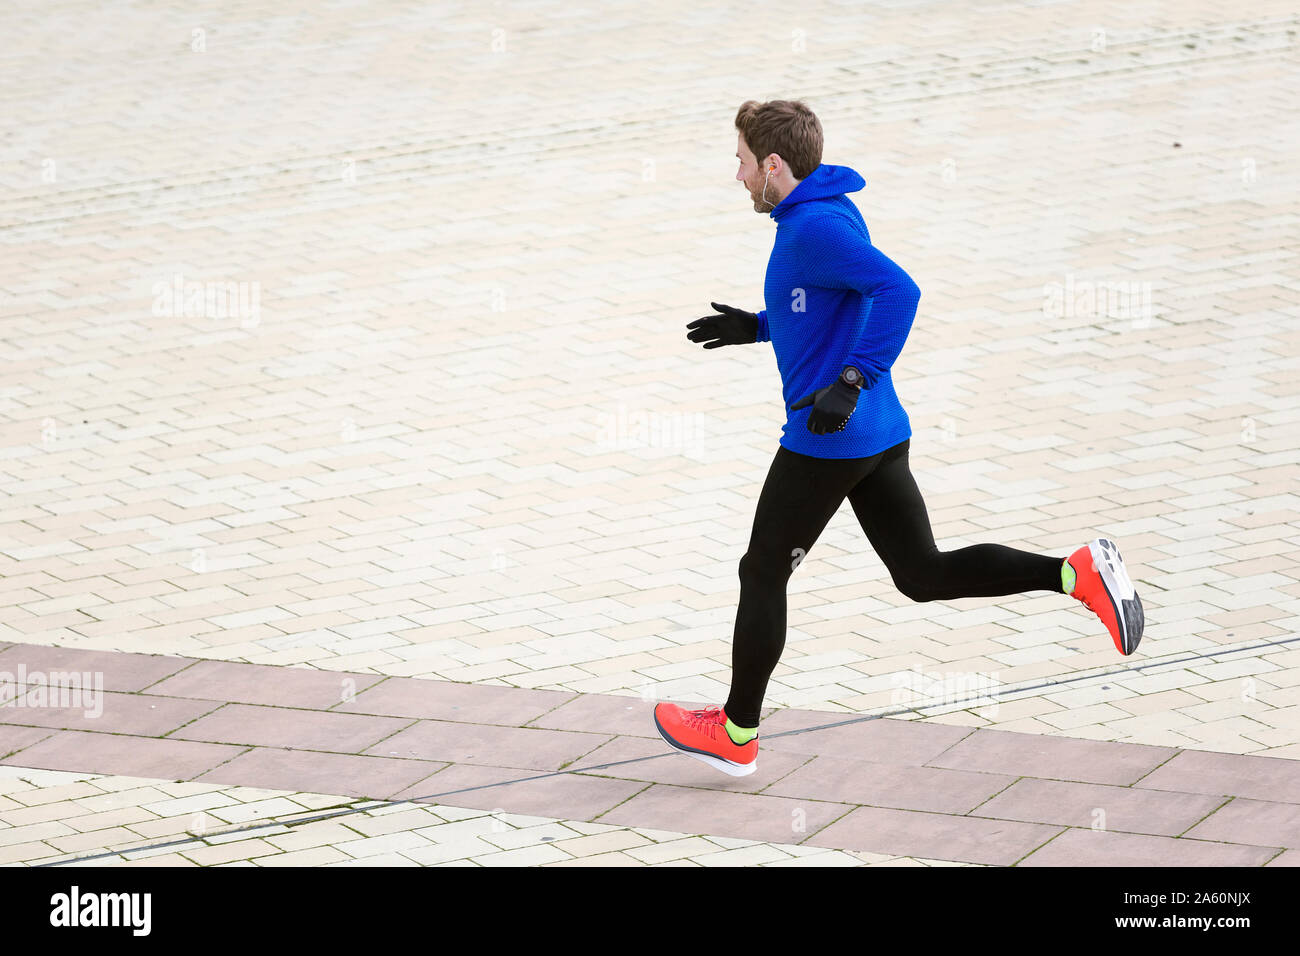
(823, 182)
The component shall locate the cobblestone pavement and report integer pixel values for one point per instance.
(432, 412)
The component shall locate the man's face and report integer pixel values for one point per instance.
(753, 176)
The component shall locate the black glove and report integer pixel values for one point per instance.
(732, 327)
(833, 406)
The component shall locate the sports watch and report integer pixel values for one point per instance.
(851, 376)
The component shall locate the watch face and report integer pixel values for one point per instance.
(852, 376)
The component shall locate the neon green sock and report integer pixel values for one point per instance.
(740, 735)
(1067, 576)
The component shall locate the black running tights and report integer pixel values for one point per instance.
(799, 497)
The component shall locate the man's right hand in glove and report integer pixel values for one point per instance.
(732, 327)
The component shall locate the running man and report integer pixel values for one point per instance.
(838, 313)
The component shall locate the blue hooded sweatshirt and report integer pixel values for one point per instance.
(833, 299)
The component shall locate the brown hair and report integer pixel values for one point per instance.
(785, 127)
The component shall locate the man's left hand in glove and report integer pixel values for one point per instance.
(833, 405)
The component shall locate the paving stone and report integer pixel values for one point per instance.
(291, 728)
(257, 684)
(454, 742)
(1260, 778)
(443, 700)
(347, 774)
(1090, 805)
(1253, 822)
(884, 740)
(112, 713)
(1056, 758)
(1080, 847)
(756, 817)
(112, 753)
(947, 836)
(889, 785)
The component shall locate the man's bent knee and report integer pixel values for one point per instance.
(757, 572)
(916, 589)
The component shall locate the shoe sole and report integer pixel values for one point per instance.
(1123, 595)
(718, 763)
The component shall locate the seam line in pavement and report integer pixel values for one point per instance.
(370, 805)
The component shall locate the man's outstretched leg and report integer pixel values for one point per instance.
(893, 515)
(799, 497)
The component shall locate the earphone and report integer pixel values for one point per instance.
(769, 176)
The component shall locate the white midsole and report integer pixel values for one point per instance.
(726, 766)
(1111, 568)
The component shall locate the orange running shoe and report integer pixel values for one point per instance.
(1103, 585)
(702, 734)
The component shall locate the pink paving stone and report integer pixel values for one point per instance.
(936, 836)
(1087, 847)
(746, 816)
(666, 765)
(446, 700)
(1199, 771)
(77, 750)
(889, 785)
(1053, 758)
(298, 771)
(1289, 858)
(488, 744)
(1256, 822)
(562, 795)
(1074, 804)
(141, 714)
(603, 713)
(265, 684)
(119, 671)
(16, 738)
(292, 729)
(880, 740)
